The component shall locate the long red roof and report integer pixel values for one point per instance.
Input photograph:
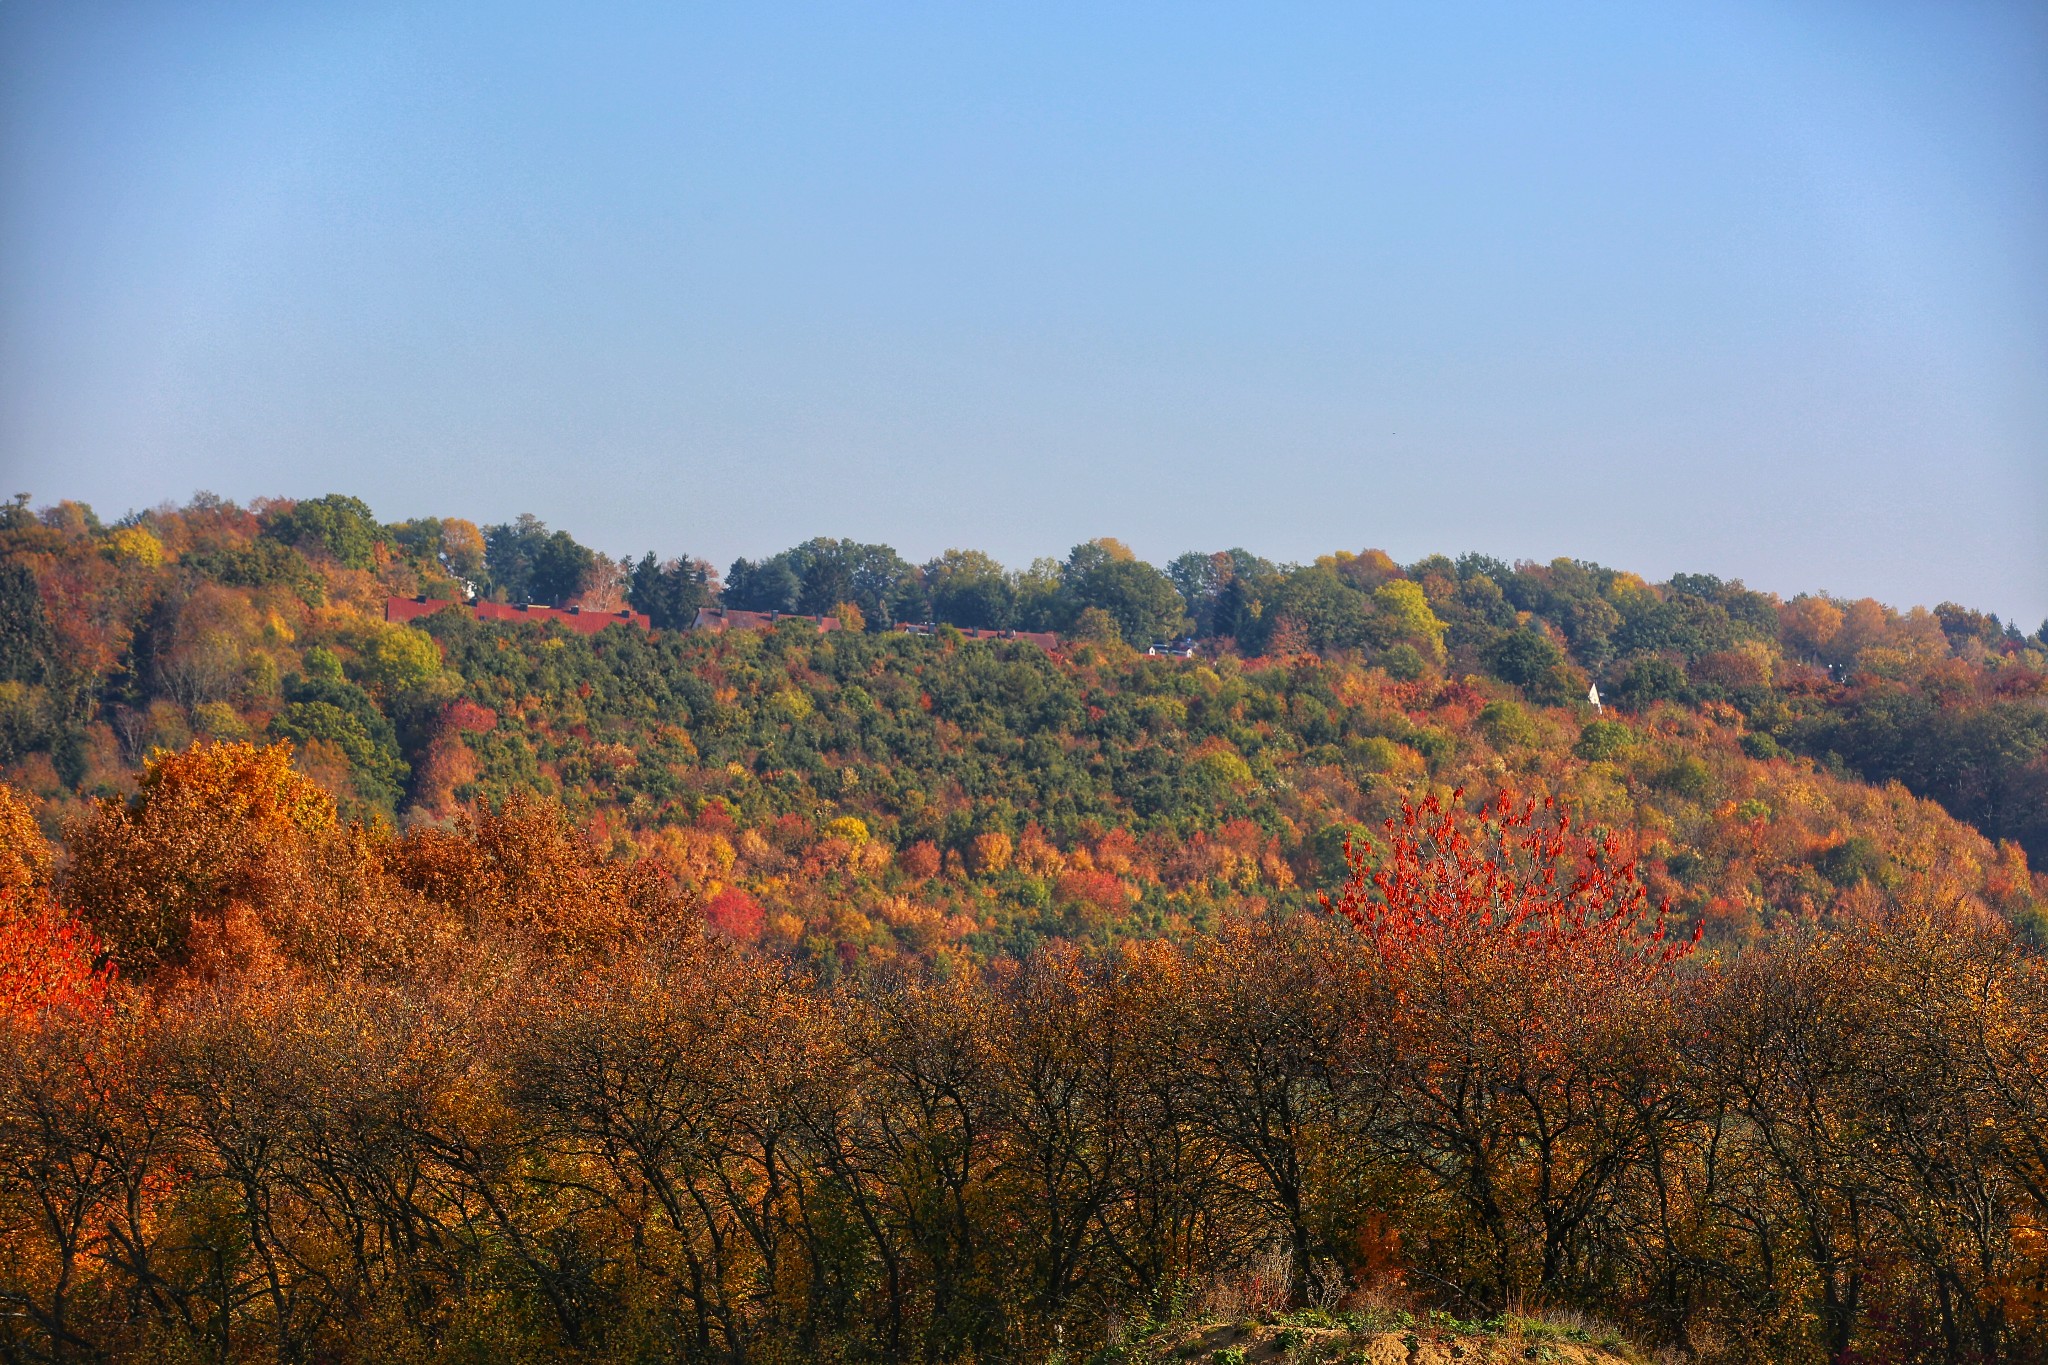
(404, 609)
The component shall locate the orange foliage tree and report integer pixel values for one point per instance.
(525, 869)
(212, 826)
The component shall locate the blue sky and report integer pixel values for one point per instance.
(1753, 289)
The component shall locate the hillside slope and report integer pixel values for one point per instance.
(876, 795)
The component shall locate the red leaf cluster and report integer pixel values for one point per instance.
(1514, 878)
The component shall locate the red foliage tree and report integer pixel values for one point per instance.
(735, 914)
(1093, 898)
(1513, 879)
(1524, 1037)
(48, 962)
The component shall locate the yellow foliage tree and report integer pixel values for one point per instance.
(398, 659)
(137, 546)
(25, 859)
(990, 852)
(462, 546)
(1406, 614)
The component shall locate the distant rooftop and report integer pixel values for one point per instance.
(726, 618)
(404, 609)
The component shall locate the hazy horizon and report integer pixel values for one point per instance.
(1760, 290)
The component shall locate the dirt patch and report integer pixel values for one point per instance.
(1285, 1343)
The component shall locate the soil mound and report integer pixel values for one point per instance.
(1318, 1339)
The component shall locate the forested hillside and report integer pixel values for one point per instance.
(1346, 986)
(874, 794)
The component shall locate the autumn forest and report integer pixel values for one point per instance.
(1475, 954)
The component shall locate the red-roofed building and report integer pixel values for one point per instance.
(724, 618)
(404, 609)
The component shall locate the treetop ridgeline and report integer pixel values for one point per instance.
(546, 985)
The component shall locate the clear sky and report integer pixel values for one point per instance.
(1753, 289)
